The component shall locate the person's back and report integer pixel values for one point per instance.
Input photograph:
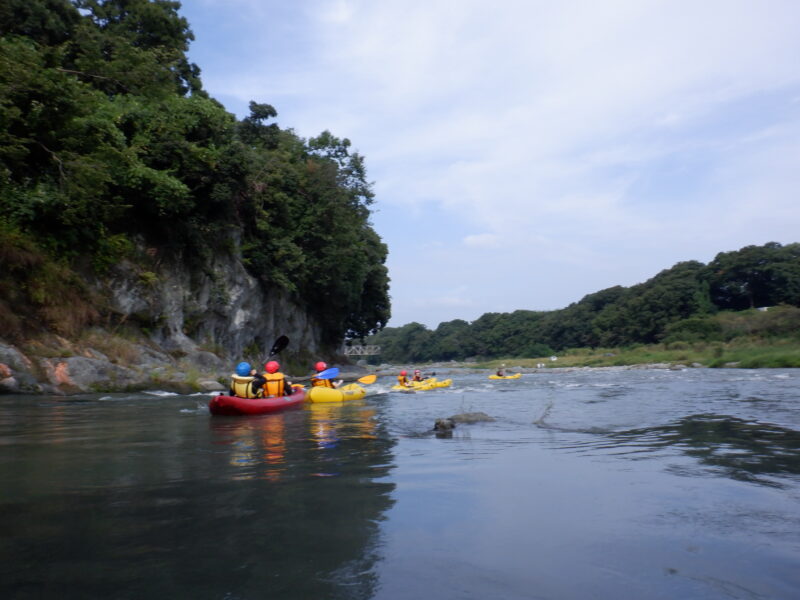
(245, 382)
(322, 382)
(275, 383)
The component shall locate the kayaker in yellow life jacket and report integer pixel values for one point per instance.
(320, 382)
(275, 383)
(403, 380)
(246, 382)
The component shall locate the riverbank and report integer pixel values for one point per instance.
(104, 363)
(749, 354)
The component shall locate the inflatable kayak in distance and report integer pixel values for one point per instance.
(514, 376)
(420, 386)
(352, 391)
(234, 406)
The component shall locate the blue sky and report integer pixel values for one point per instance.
(525, 153)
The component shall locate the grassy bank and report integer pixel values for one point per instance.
(741, 353)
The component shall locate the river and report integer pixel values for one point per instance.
(603, 484)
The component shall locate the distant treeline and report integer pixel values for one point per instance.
(110, 149)
(689, 302)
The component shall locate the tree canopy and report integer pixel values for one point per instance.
(107, 137)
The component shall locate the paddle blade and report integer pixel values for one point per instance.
(279, 345)
(328, 373)
(367, 379)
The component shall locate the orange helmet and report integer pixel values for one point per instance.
(272, 366)
(320, 366)
(403, 372)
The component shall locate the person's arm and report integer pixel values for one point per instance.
(257, 383)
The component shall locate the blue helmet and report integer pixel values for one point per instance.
(243, 369)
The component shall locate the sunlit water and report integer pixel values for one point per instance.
(640, 484)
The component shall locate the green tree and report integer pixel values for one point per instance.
(106, 135)
(755, 276)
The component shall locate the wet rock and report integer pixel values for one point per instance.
(9, 385)
(78, 374)
(443, 427)
(444, 424)
(210, 385)
(473, 417)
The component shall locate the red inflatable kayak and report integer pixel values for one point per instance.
(233, 405)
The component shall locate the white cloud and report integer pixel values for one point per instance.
(482, 240)
(619, 135)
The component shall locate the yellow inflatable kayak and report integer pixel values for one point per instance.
(420, 386)
(352, 391)
(514, 376)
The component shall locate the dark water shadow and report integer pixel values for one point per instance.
(739, 449)
(236, 508)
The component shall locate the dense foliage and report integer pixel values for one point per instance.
(107, 139)
(689, 302)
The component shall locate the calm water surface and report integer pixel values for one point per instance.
(641, 484)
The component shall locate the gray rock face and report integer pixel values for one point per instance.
(222, 304)
(183, 313)
(79, 374)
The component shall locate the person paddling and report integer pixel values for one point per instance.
(275, 383)
(402, 379)
(246, 382)
(320, 382)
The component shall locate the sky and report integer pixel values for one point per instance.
(525, 153)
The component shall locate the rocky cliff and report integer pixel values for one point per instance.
(167, 326)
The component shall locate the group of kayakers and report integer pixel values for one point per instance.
(403, 379)
(247, 382)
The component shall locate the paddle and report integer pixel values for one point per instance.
(327, 373)
(333, 373)
(279, 345)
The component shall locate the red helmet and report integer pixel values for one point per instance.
(403, 372)
(272, 366)
(320, 366)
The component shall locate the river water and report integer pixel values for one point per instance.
(602, 484)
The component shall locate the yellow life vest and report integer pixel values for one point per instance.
(402, 380)
(315, 382)
(274, 385)
(242, 387)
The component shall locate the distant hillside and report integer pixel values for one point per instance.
(687, 302)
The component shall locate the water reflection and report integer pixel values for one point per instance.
(257, 445)
(329, 422)
(163, 501)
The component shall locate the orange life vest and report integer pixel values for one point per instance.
(274, 385)
(402, 380)
(315, 382)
